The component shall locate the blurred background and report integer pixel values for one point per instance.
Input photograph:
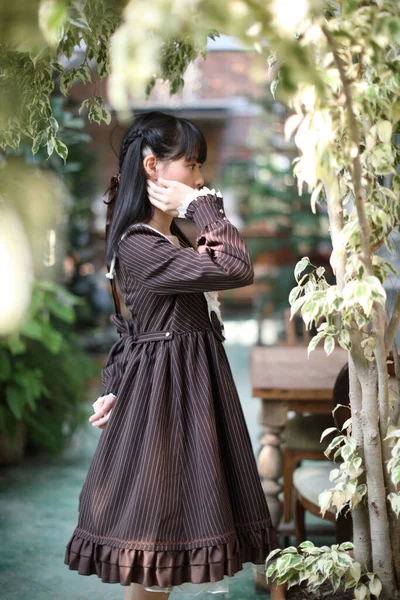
(54, 226)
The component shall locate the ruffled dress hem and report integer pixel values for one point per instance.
(113, 563)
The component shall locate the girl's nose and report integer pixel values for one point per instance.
(199, 181)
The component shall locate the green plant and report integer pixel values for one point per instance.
(43, 371)
(349, 158)
(89, 33)
(312, 566)
(347, 491)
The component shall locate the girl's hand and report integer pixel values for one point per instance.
(102, 407)
(167, 195)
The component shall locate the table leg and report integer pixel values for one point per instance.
(273, 416)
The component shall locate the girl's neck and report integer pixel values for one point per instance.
(161, 221)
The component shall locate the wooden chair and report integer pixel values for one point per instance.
(301, 442)
(302, 433)
(311, 480)
(308, 482)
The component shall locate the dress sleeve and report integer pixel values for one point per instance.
(112, 372)
(220, 261)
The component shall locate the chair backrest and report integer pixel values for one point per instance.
(340, 395)
(292, 328)
(292, 338)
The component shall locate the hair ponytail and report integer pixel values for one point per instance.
(130, 201)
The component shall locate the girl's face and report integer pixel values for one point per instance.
(182, 170)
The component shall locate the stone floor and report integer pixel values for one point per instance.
(38, 510)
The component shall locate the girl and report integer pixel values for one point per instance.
(172, 499)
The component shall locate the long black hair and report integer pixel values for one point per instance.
(169, 138)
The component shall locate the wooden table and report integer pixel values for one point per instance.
(285, 379)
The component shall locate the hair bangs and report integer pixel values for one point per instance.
(192, 143)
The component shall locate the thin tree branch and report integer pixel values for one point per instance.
(395, 412)
(336, 223)
(382, 368)
(396, 364)
(365, 255)
(393, 324)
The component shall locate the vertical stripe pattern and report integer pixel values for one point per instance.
(172, 494)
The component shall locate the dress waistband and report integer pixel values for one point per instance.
(127, 327)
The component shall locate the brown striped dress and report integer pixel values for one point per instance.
(173, 495)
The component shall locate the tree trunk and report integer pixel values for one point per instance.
(384, 419)
(382, 558)
(361, 532)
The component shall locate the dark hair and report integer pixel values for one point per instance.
(169, 138)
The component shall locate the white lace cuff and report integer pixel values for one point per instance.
(192, 196)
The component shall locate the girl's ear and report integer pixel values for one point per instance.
(150, 167)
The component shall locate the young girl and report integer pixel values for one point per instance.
(172, 500)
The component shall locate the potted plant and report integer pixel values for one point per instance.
(43, 373)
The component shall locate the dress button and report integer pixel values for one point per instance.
(221, 210)
(167, 334)
(225, 219)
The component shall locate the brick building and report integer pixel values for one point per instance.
(218, 96)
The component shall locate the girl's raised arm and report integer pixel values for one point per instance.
(220, 262)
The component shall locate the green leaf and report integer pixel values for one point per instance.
(61, 149)
(295, 292)
(329, 345)
(315, 341)
(344, 560)
(16, 400)
(282, 564)
(360, 592)
(384, 130)
(324, 501)
(15, 343)
(294, 579)
(290, 550)
(5, 366)
(61, 310)
(273, 553)
(106, 116)
(36, 142)
(327, 432)
(77, 17)
(346, 424)
(50, 146)
(300, 266)
(375, 587)
(335, 579)
(394, 500)
(297, 305)
(295, 560)
(271, 570)
(306, 545)
(355, 571)
(51, 338)
(32, 329)
(344, 339)
(273, 86)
